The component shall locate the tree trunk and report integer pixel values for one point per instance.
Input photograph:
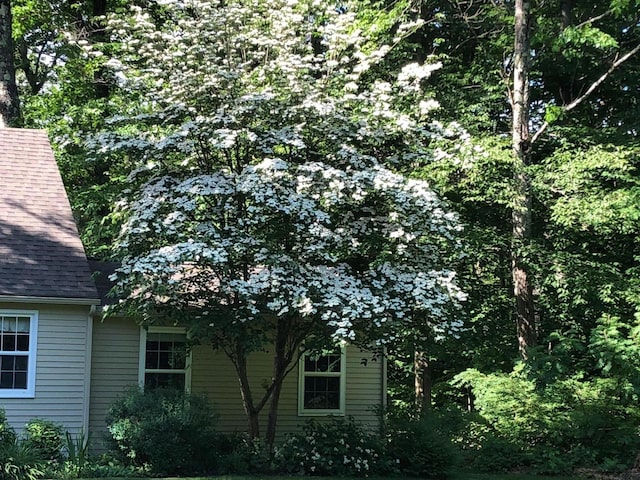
(99, 10)
(422, 382)
(521, 215)
(239, 360)
(280, 364)
(9, 103)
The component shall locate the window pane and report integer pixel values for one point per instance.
(163, 360)
(309, 363)
(8, 342)
(22, 343)
(322, 363)
(7, 363)
(22, 362)
(151, 360)
(164, 380)
(321, 393)
(20, 380)
(6, 380)
(166, 351)
(13, 371)
(23, 325)
(334, 363)
(9, 324)
(178, 360)
(14, 348)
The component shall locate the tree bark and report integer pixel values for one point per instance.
(98, 36)
(422, 382)
(521, 215)
(239, 360)
(9, 103)
(279, 368)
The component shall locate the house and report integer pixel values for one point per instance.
(62, 361)
(46, 292)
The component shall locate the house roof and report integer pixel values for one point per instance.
(101, 272)
(41, 254)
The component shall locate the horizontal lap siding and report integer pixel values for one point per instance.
(60, 368)
(116, 343)
(215, 375)
(115, 367)
(364, 386)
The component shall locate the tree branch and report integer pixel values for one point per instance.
(594, 19)
(590, 90)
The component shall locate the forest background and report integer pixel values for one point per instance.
(534, 143)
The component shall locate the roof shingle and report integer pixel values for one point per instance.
(41, 254)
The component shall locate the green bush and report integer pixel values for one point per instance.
(170, 432)
(240, 455)
(419, 447)
(46, 437)
(7, 433)
(18, 460)
(336, 447)
(553, 427)
(483, 450)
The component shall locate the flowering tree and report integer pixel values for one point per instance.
(264, 214)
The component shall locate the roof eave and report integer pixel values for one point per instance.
(49, 300)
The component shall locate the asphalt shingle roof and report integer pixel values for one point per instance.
(41, 254)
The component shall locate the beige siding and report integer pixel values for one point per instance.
(114, 368)
(365, 386)
(214, 375)
(116, 344)
(60, 386)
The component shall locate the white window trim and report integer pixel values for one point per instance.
(30, 391)
(143, 352)
(310, 412)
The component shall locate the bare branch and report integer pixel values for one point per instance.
(567, 108)
(593, 19)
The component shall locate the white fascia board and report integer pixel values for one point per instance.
(49, 300)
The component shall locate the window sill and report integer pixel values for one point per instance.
(321, 413)
(9, 394)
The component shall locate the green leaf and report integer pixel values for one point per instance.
(553, 113)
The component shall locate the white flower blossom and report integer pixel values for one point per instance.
(264, 192)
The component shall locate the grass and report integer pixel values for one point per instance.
(458, 476)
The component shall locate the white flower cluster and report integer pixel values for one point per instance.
(268, 196)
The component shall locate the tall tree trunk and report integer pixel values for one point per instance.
(98, 36)
(521, 216)
(9, 103)
(422, 382)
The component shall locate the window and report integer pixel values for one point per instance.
(164, 359)
(322, 384)
(18, 330)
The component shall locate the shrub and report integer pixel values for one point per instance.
(333, 448)
(419, 447)
(169, 431)
(552, 427)
(7, 433)
(18, 461)
(45, 437)
(239, 454)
